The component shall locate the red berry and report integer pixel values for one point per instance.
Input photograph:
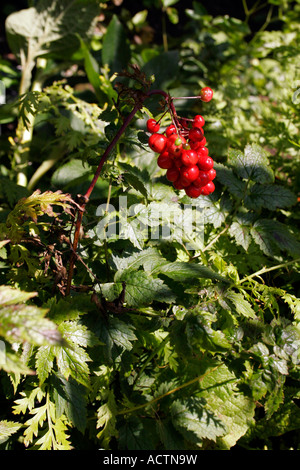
(152, 126)
(172, 174)
(164, 161)
(202, 179)
(184, 181)
(195, 134)
(212, 174)
(202, 151)
(189, 157)
(157, 142)
(206, 94)
(177, 162)
(171, 129)
(205, 163)
(190, 173)
(174, 144)
(192, 191)
(194, 145)
(208, 189)
(198, 121)
(178, 184)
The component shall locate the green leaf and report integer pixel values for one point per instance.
(140, 289)
(72, 361)
(185, 272)
(273, 236)
(136, 434)
(117, 336)
(7, 429)
(11, 296)
(235, 409)
(241, 305)
(227, 178)
(115, 49)
(44, 362)
(251, 164)
(195, 421)
(106, 419)
(51, 27)
(241, 233)
(20, 322)
(70, 399)
(270, 196)
(164, 67)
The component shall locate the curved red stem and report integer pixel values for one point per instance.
(85, 198)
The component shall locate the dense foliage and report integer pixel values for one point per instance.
(181, 326)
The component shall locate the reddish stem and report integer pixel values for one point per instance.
(85, 198)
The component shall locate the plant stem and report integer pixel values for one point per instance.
(24, 133)
(84, 199)
(266, 270)
(180, 387)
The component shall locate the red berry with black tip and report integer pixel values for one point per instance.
(157, 142)
(171, 129)
(208, 189)
(152, 126)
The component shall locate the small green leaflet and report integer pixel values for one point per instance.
(21, 322)
(241, 305)
(7, 428)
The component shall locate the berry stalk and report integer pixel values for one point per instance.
(159, 142)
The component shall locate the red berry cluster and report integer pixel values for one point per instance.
(182, 152)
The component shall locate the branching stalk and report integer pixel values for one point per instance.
(267, 270)
(84, 199)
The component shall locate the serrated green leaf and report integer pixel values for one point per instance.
(184, 272)
(106, 419)
(117, 336)
(21, 322)
(241, 234)
(273, 236)
(44, 362)
(195, 421)
(10, 296)
(141, 289)
(241, 305)
(227, 178)
(251, 164)
(72, 361)
(136, 434)
(7, 429)
(71, 399)
(50, 26)
(270, 196)
(235, 409)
